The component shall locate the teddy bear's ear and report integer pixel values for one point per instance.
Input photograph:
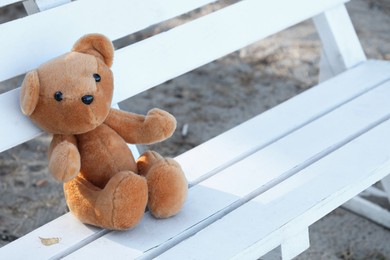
(29, 93)
(97, 45)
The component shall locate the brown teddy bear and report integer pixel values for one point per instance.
(70, 97)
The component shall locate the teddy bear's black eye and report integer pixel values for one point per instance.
(58, 96)
(97, 77)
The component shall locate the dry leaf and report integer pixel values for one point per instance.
(50, 241)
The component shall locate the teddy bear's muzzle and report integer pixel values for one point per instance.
(87, 99)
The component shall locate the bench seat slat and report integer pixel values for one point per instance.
(240, 182)
(350, 108)
(275, 123)
(296, 203)
(67, 228)
(115, 20)
(226, 142)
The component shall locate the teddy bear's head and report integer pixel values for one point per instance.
(71, 94)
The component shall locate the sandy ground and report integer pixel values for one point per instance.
(209, 101)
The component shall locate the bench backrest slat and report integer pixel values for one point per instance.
(341, 46)
(42, 36)
(155, 60)
(147, 63)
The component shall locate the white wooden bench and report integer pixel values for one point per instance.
(255, 187)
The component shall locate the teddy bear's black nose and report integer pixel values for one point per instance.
(87, 99)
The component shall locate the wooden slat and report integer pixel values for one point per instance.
(20, 129)
(369, 210)
(199, 42)
(295, 203)
(125, 17)
(341, 46)
(14, 124)
(160, 75)
(240, 182)
(42, 40)
(165, 56)
(67, 228)
(295, 243)
(44, 5)
(35, 6)
(274, 124)
(15, 127)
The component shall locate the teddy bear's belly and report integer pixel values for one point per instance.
(103, 154)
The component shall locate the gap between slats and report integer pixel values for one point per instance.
(8, 2)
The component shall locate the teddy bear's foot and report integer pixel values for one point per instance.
(166, 183)
(120, 205)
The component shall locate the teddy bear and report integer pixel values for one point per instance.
(70, 97)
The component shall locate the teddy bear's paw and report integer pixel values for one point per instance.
(168, 188)
(146, 161)
(64, 163)
(160, 121)
(122, 202)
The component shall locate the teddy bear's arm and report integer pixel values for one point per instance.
(64, 157)
(156, 126)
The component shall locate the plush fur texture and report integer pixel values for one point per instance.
(70, 97)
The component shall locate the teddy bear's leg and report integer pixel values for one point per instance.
(119, 205)
(166, 183)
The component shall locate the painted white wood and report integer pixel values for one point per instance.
(236, 184)
(284, 170)
(212, 37)
(126, 17)
(185, 161)
(20, 127)
(35, 6)
(43, 42)
(67, 228)
(273, 124)
(152, 232)
(341, 47)
(44, 5)
(31, 7)
(14, 125)
(325, 68)
(140, 59)
(238, 142)
(287, 206)
(341, 51)
(369, 210)
(283, 157)
(295, 244)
